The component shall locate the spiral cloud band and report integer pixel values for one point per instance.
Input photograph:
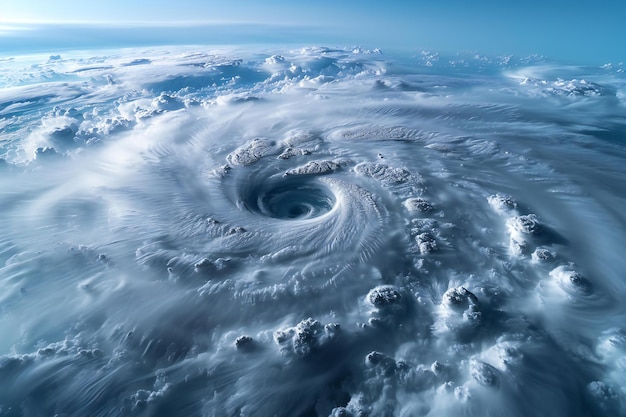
(314, 232)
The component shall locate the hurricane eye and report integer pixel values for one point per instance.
(297, 211)
(293, 200)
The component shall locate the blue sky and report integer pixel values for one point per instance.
(572, 31)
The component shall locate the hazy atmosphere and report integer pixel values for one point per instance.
(575, 32)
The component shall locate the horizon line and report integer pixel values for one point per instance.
(19, 24)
